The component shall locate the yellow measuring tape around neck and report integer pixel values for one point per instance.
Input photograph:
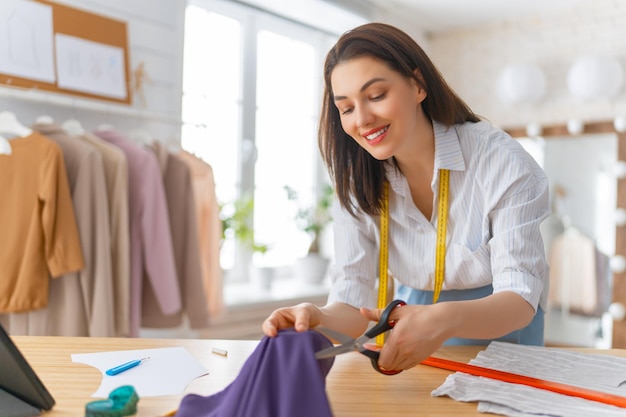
(383, 258)
(440, 250)
(442, 223)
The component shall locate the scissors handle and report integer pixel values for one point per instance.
(383, 325)
(374, 355)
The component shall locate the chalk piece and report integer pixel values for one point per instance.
(218, 351)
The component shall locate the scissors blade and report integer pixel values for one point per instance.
(347, 343)
(334, 351)
(360, 341)
(335, 335)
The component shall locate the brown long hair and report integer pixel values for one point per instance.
(358, 177)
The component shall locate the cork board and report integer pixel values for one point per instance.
(90, 29)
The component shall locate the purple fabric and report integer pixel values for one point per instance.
(282, 378)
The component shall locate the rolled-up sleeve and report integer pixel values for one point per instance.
(517, 252)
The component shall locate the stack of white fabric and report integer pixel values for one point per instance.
(592, 371)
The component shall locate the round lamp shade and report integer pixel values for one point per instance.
(521, 83)
(595, 76)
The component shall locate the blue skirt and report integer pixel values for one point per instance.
(529, 335)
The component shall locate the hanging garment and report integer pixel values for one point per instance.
(39, 235)
(209, 230)
(282, 378)
(183, 225)
(152, 255)
(573, 274)
(116, 178)
(81, 303)
(551, 228)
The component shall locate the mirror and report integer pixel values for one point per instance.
(580, 234)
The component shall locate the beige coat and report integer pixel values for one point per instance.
(209, 228)
(116, 176)
(183, 225)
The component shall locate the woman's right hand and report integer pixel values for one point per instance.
(301, 317)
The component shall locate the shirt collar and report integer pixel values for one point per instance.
(448, 154)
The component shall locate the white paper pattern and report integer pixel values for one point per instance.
(167, 372)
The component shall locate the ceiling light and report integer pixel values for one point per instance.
(521, 83)
(595, 76)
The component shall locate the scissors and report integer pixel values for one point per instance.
(349, 344)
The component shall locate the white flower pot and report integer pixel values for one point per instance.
(262, 277)
(311, 269)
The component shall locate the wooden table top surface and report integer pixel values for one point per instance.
(353, 387)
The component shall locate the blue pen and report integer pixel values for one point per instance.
(125, 366)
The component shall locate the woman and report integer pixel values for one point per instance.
(389, 117)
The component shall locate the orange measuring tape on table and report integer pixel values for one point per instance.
(556, 387)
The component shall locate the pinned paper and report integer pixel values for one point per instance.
(167, 372)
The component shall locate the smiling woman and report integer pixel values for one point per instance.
(367, 110)
(428, 193)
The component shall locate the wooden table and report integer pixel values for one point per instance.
(353, 387)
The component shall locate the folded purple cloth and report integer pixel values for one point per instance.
(282, 378)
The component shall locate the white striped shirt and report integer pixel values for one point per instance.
(498, 197)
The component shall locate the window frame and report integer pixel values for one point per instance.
(253, 20)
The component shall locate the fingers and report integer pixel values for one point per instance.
(279, 319)
(300, 317)
(372, 314)
(401, 351)
(269, 328)
(389, 358)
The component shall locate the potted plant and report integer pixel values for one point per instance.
(313, 221)
(236, 218)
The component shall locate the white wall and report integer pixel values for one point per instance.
(471, 60)
(155, 36)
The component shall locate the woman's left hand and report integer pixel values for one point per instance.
(419, 331)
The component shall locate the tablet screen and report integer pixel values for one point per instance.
(18, 378)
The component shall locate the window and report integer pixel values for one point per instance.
(251, 96)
